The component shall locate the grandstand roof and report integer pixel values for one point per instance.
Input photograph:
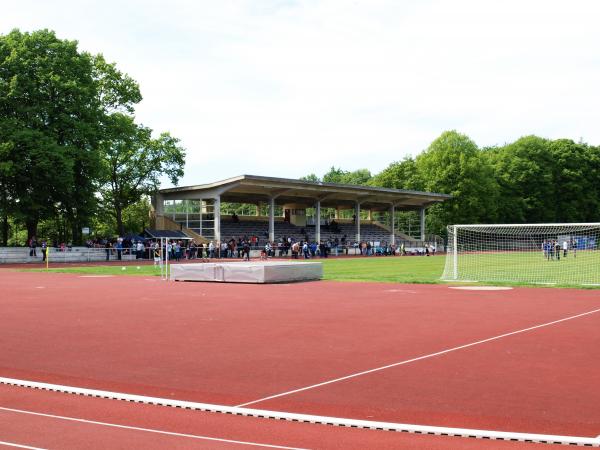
(253, 189)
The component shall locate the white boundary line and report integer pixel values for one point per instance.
(148, 430)
(407, 361)
(12, 444)
(306, 418)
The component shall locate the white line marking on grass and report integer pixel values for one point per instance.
(148, 430)
(419, 358)
(12, 444)
(306, 418)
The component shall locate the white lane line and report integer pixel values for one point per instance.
(148, 430)
(419, 358)
(307, 418)
(12, 444)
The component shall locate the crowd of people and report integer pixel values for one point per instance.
(240, 248)
(287, 247)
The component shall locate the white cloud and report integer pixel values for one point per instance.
(292, 87)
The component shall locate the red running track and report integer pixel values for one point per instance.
(233, 344)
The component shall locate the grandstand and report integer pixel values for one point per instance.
(369, 232)
(201, 217)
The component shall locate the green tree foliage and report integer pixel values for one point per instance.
(49, 117)
(547, 181)
(311, 177)
(576, 182)
(134, 162)
(135, 218)
(335, 175)
(524, 171)
(399, 175)
(64, 116)
(454, 165)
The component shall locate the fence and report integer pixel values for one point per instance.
(17, 255)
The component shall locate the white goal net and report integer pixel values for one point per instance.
(565, 253)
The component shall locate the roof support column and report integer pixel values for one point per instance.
(158, 204)
(272, 219)
(318, 221)
(393, 225)
(422, 220)
(357, 220)
(200, 226)
(217, 218)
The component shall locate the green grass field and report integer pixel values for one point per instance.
(523, 268)
(397, 270)
(531, 267)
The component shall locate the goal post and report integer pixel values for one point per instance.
(558, 253)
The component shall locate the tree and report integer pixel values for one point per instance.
(49, 117)
(524, 173)
(337, 175)
(134, 162)
(310, 177)
(7, 175)
(454, 165)
(399, 175)
(576, 198)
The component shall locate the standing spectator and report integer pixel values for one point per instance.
(305, 250)
(32, 246)
(44, 249)
(211, 249)
(201, 250)
(246, 250)
(139, 250)
(223, 247)
(169, 250)
(565, 248)
(107, 247)
(177, 250)
(119, 247)
(156, 253)
(545, 248)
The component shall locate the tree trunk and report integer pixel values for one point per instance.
(5, 231)
(31, 223)
(119, 217)
(75, 231)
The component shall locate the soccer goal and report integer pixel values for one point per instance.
(558, 253)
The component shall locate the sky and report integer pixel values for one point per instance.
(287, 88)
